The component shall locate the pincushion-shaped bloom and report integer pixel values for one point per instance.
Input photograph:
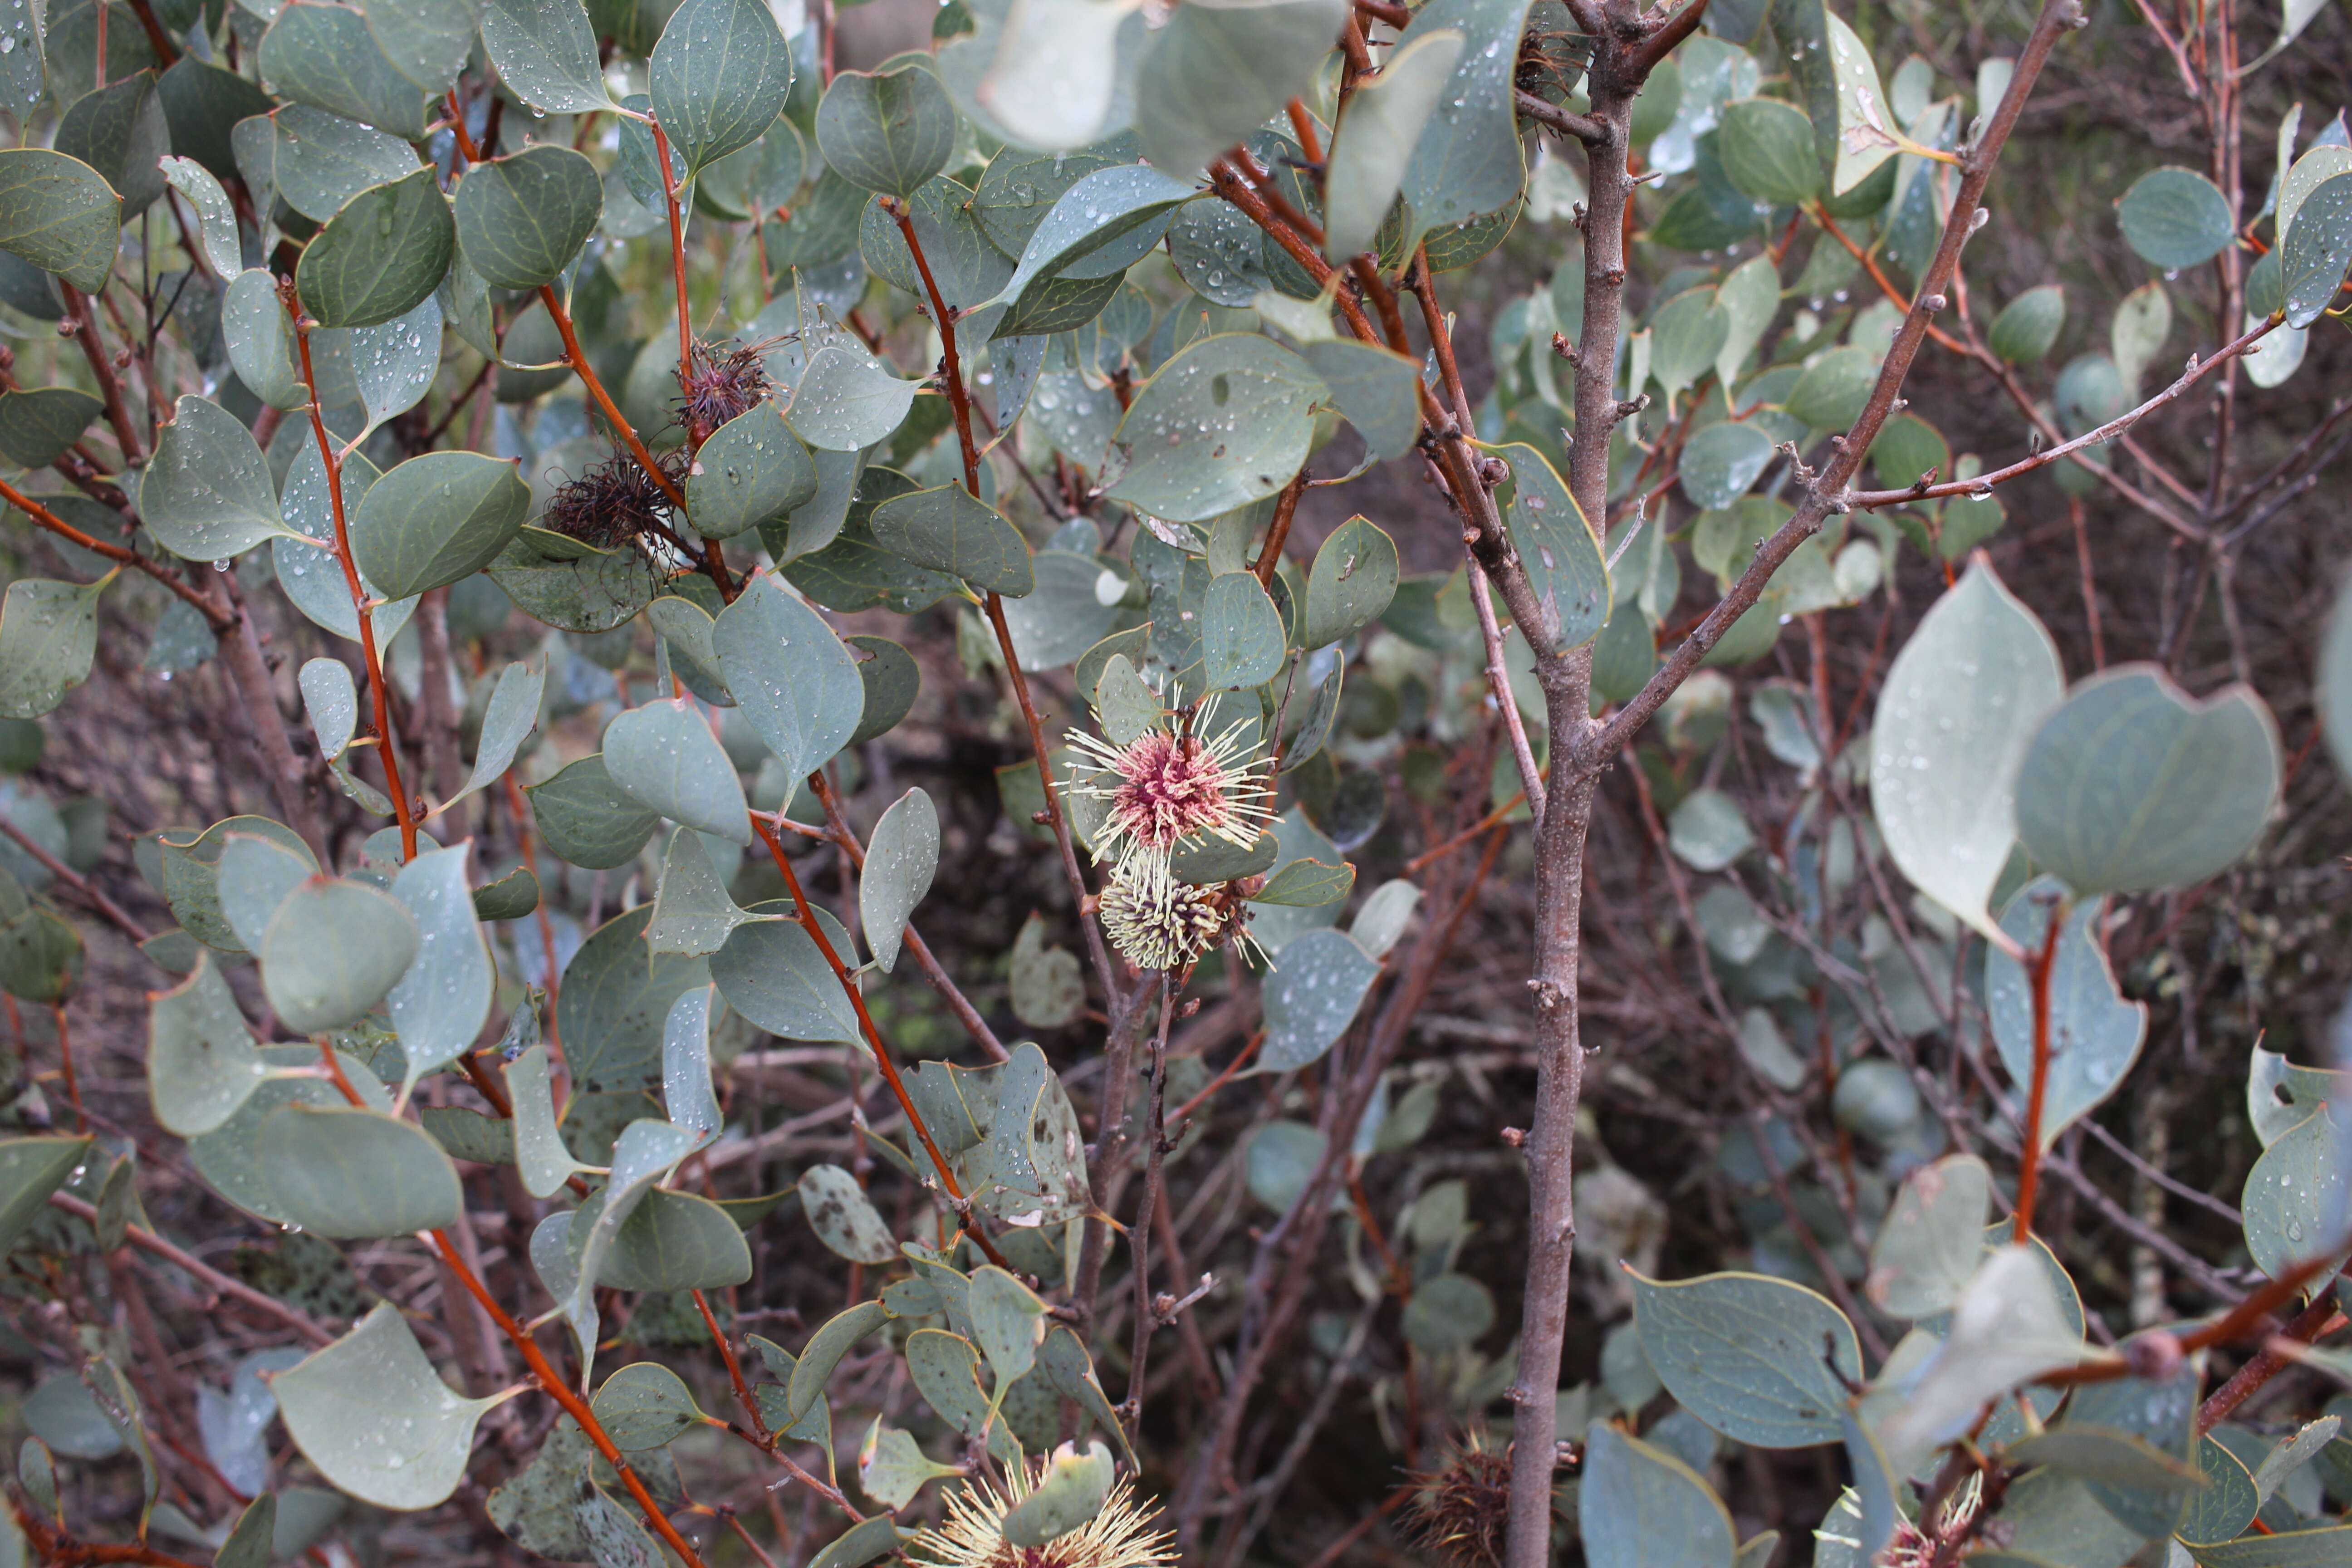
(973, 1533)
(1155, 920)
(1171, 784)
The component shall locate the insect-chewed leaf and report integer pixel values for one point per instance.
(344, 1405)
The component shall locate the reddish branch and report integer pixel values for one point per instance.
(2029, 1168)
(362, 605)
(880, 1052)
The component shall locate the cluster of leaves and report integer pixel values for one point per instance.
(338, 213)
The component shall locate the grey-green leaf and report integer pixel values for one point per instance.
(351, 1174)
(845, 401)
(843, 1218)
(441, 1004)
(1224, 423)
(1312, 996)
(790, 676)
(539, 1151)
(664, 756)
(1745, 1353)
(1932, 1238)
(585, 818)
(1376, 388)
(1557, 545)
(206, 495)
(49, 636)
(1638, 1506)
(773, 974)
(1213, 74)
(1467, 162)
(507, 720)
(435, 518)
(332, 950)
(719, 78)
(949, 530)
(1242, 642)
(343, 1403)
(381, 256)
(752, 470)
(1378, 133)
(2316, 251)
(545, 50)
(1945, 753)
(1351, 584)
(888, 131)
(2094, 1034)
(900, 858)
(1768, 151)
(2131, 785)
(200, 1059)
(2028, 326)
(2175, 218)
(425, 40)
(323, 54)
(522, 218)
(61, 214)
(645, 1405)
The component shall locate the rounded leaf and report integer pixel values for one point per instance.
(351, 1174)
(2174, 218)
(719, 78)
(887, 133)
(332, 950)
(2028, 326)
(2132, 785)
(521, 219)
(1768, 151)
(344, 1405)
(61, 214)
(752, 470)
(435, 518)
(843, 1218)
(1745, 1353)
(381, 256)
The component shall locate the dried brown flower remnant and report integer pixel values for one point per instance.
(718, 384)
(1459, 1510)
(613, 503)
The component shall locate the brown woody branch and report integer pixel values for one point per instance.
(1567, 121)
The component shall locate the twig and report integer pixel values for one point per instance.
(2029, 1152)
(76, 881)
(1567, 121)
(148, 1241)
(881, 1052)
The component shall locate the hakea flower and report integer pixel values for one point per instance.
(1155, 920)
(972, 1535)
(1169, 784)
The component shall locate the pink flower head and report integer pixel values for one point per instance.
(1167, 785)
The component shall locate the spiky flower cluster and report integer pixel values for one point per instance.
(1156, 921)
(1170, 784)
(718, 383)
(613, 503)
(1174, 784)
(972, 1535)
